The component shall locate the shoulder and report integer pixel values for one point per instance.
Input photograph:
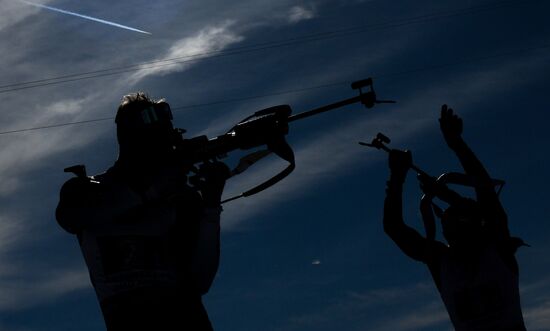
(77, 187)
(504, 243)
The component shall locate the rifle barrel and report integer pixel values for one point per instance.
(324, 108)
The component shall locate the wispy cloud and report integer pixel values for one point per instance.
(427, 315)
(410, 307)
(20, 286)
(208, 40)
(12, 12)
(29, 290)
(538, 317)
(299, 13)
(11, 231)
(536, 304)
(27, 152)
(24, 152)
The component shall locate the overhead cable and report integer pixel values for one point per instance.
(255, 47)
(303, 90)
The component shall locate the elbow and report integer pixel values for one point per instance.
(389, 230)
(394, 229)
(390, 226)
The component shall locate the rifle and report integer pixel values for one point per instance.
(266, 127)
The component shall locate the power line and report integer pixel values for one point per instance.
(256, 47)
(179, 108)
(57, 125)
(301, 90)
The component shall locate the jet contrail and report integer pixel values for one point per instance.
(84, 16)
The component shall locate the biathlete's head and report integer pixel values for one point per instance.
(144, 125)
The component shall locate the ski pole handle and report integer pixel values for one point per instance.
(380, 141)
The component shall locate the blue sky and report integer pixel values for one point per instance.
(487, 59)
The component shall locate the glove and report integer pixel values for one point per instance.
(213, 176)
(399, 162)
(451, 126)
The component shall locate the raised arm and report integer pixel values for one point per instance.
(409, 240)
(451, 127)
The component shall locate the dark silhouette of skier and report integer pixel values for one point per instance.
(476, 273)
(151, 242)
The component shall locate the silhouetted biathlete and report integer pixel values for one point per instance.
(151, 242)
(476, 273)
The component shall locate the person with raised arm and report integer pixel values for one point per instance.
(476, 272)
